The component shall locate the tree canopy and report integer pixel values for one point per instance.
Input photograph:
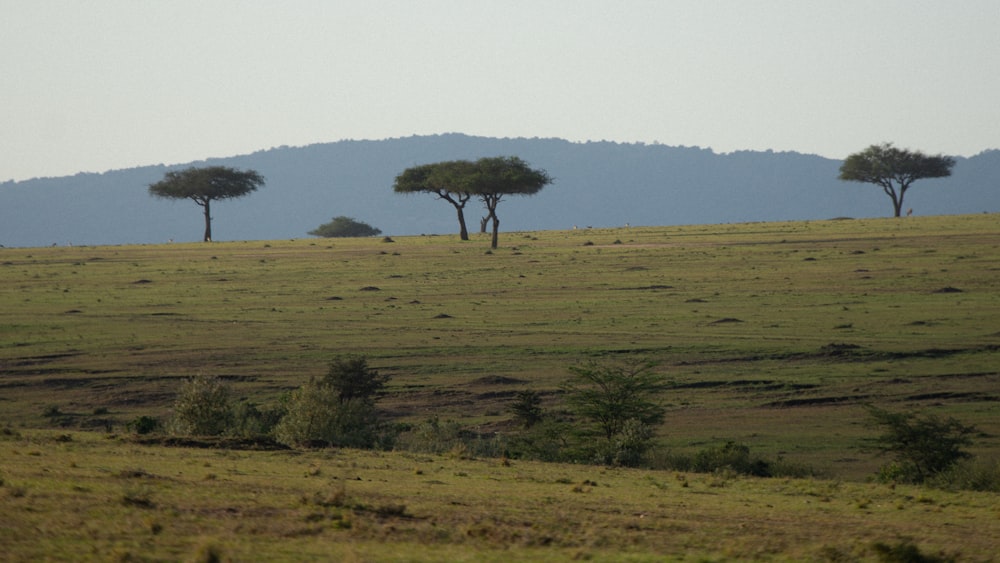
(204, 185)
(922, 445)
(448, 180)
(894, 169)
(489, 179)
(496, 177)
(345, 227)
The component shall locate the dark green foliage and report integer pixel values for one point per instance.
(905, 552)
(527, 408)
(351, 378)
(733, 457)
(447, 180)
(894, 169)
(317, 417)
(922, 445)
(337, 410)
(548, 440)
(497, 177)
(203, 407)
(251, 421)
(345, 227)
(489, 179)
(204, 185)
(144, 425)
(970, 475)
(620, 401)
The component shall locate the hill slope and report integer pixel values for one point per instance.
(597, 183)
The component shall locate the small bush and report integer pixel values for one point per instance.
(250, 421)
(922, 445)
(203, 407)
(317, 417)
(970, 475)
(619, 401)
(730, 457)
(548, 440)
(143, 425)
(905, 552)
(527, 408)
(345, 227)
(449, 437)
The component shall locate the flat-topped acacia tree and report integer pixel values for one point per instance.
(498, 176)
(458, 181)
(447, 180)
(894, 169)
(204, 185)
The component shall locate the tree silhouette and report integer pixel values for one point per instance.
(894, 169)
(204, 185)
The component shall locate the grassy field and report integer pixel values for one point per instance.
(773, 334)
(82, 496)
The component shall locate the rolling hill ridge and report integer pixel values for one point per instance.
(600, 184)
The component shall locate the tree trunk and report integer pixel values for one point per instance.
(463, 231)
(482, 224)
(496, 231)
(208, 220)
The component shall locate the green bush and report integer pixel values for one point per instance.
(144, 425)
(344, 227)
(619, 400)
(970, 475)
(527, 408)
(449, 437)
(203, 408)
(250, 421)
(922, 445)
(548, 440)
(730, 457)
(337, 410)
(317, 417)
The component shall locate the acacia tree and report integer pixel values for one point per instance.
(620, 401)
(447, 180)
(894, 169)
(496, 177)
(923, 445)
(204, 185)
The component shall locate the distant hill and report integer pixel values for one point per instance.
(599, 184)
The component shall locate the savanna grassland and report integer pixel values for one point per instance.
(775, 335)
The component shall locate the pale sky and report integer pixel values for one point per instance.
(99, 85)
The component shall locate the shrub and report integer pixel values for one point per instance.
(317, 416)
(345, 227)
(449, 437)
(547, 440)
(619, 400)
(351, 378)
(630, 445)
(971, 475)
(922, 445)
(905, 552)
(143, 425)
(730, 457)
(337, 410)
(527, 408)
(203, 407)
(249, 421)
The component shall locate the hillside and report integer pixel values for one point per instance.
(600, 184)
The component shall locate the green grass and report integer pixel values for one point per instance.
(774, 335)
(82, 496)
(741, 316)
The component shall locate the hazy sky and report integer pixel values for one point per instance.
(99, 85)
